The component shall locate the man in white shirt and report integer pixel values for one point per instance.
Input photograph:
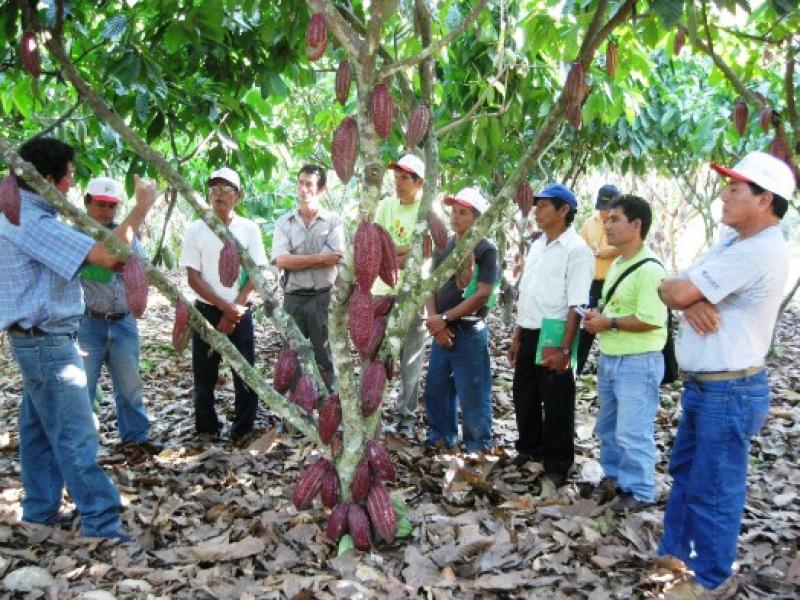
(730, 298)
(226, 308)
(557, 277)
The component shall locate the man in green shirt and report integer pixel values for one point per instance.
(631, 327)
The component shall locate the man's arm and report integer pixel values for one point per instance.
(231, 311)
(560, 361)
(299, 262)
(679, 292)
(595, 322)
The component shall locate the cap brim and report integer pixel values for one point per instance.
(213, 179)
(450, 200)
(730, 173)
(104, 198)
(399, 167)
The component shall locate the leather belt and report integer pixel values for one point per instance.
(308, 292)
(30, 332)
(107, 316)
(705, 377)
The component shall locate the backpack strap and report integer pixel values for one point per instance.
(625, 273)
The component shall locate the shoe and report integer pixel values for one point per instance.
(605, 491)
(146, 447)
(523, 459)
(205, 437)
(667, 562)
(692, 590)
(405, 429)
(628, 502)
(558, 479)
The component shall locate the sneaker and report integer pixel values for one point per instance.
(147, 447)
(628, 502)
(606, 490)
(692, 590)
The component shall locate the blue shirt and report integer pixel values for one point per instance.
(39, 264)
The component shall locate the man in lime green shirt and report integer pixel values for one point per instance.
(631, 327)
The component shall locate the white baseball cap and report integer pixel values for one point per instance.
(410, 164)
(469, 197)
(764, 170)
(106, 190)
(228, 175)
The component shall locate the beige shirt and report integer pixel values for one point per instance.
(595, 235)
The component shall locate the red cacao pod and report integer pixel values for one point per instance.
(316, 37)
(285, 370)
(310, 482)
(380, 461)
(381, 511)
(766, 118)
(372, 385)
(376, 337)
(427, 245)
(576, 85)
(10, 199)
(438, 230)
(305, 393)
(779, 148)
(343, 148)
(331, 488)
(134, 276)
(524, 197)
(29, 54)
(360, 315)
(387, 270)
(229, 263)
(362, 481)
(418, 122)
(382, 305)
(358, 526)
(367, 254)
(739, 116)
(382, 110)
(679, 41)
(612, 58)
(330, 416)
(337, 523)
(344, 78)
(180, 329)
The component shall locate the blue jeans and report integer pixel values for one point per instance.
(116, 343)
(461, 374)
(709, 471)
(58, 440)
(628, 391)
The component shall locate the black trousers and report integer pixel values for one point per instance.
(586, 339)
(311, 315)
(544, 403)
(205, 367)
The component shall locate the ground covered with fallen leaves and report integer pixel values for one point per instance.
(216, 521)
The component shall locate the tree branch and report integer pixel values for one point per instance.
(788, 86)
(49, 129)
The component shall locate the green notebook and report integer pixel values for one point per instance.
(551, 334)
(97, 273)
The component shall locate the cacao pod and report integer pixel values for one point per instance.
(134, 277)
(381, 511)
(382, 305)
(574, 117)
(337, 523)
(382, 110)
(329, 492)
(611, 58)
(739, 116)
(524, 197)
(766, 118)
(427, 245)
(29, 54)
(180, 329)
(575, 86)
(305, 393)
(380, 461)
(779, 148)
(418, 122)
(387, 270)
(316, 37)
(330, 416)
(10, 199)
(438, 230)
(359, 322)
(367, 254)
(362, 480)
(343, 148)
(358, 526)
(310, 482)
(344, 78)
(375, 339)
(229, 263)
(285, 370)
(372, 385)
(337, 444)
(679, 41)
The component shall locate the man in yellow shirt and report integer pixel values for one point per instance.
(594, 234)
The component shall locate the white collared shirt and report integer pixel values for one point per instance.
(557, 275)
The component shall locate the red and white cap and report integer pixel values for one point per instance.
(226, 174)
(764, 170)
(469, 197)
(410, 164)
(106, 189)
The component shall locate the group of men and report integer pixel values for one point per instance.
(613, 287)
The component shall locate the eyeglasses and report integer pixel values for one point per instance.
(221, 188)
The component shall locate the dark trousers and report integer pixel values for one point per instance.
(205, 367)
(544, 403)
(311, 315)
(586, 339)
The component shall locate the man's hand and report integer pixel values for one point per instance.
(145, 192)
(435, 324)
(233, 312)
(555, 360)
(330, 259)
(702, 316)
(595, 322)
(444, 338)
(225, 325)
(513, 351)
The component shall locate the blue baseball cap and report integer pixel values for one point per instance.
(560, 191)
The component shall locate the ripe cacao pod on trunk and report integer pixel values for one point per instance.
(344, 78)
(229, 263)
(372, 385)
(611, 58)
(180, 329)
(337, 523)
(29, 54)
(367, 254)
(418, 122)
(375, 339)
(330, 416)
(575, 86)
(382, 110)
(343, 148)
(329, 492)
(766, 118)
(310, 482)
(739, 117)
(380, 461)
(10, 199)
(382, 305)
(438, 230)
(305, 393)
(316, 37)
(381, 511)
(679, 41)
(388, 270)
(134, 277)
(360, 316)
(427, 245)
(285, 370)
(358, 526)
(779, 148)
(362, 480)
(524, 197)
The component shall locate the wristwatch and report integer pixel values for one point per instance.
(614, 324)
(566, 351)
(444, 316)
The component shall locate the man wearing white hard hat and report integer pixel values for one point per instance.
(459, 370)
(730, 298)
(398, 216)
(226, 308)
(108, 333)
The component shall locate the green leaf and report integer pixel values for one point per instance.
(404, 528)
(114, 27)
(345, 545)
(670, 11)
(142, 105)
(23, 97)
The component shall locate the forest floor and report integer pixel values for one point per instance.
(216, 521)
